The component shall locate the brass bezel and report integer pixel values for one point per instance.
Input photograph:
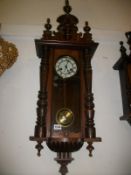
(58, 120)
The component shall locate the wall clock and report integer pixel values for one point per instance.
(65, 112)
(123, 65)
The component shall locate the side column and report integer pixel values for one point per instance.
(90, 131)
(40, 128)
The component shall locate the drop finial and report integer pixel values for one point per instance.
(39, 147)
(90, 148)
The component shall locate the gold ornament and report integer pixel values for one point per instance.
(8, 55)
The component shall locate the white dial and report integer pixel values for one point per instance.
(66, 67)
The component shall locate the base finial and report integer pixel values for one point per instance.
(63, 158)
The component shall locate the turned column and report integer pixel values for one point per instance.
(40, 128)
(89, 104)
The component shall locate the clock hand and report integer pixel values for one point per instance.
(60, 69)
(67, 66)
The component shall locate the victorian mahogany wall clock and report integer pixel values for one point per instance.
(65, 112)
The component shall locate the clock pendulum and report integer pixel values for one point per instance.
(65, 107)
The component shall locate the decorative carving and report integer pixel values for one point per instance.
(67, 23)
(67, 28)
(8, 55)
(69, 145)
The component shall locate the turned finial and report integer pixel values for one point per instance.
(67, 8)
(87, 28)
(128, 35)
(48, 26)
(122, 49)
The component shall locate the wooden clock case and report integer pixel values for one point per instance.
(74, 93)
(123, 65)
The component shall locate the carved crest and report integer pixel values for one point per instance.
(67, 28)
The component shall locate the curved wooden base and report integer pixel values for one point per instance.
(65, 144)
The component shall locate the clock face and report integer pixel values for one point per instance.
(66, 67)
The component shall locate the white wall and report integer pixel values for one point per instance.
(18, 92)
